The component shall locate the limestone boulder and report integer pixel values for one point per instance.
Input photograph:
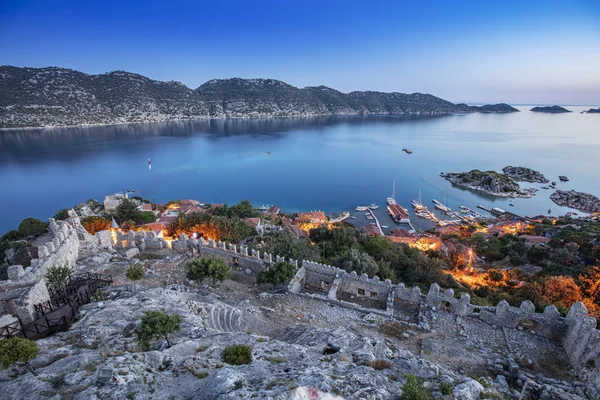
(468, 390)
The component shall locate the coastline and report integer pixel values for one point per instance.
(249, 117)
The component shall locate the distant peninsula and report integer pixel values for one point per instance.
(490, 182)
(551, 109)
(581, 201)
(593, 111)
(46, 97)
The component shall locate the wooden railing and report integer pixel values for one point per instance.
(58, 313)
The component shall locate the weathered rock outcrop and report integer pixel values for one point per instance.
(33, 97)
(579, 200)
(490, 182)
(524, 174)
(193, 368)
(593, 111)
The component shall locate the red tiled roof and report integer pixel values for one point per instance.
(253, 221)
(299, 232)
(167, 220)
(372, 230)
(194, 209)
(273, 210)
(400, 233)
(156, 226)
(313, 216)
(535, 239)
(190, 202)
(146, 207)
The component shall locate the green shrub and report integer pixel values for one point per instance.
(127, 210)
(62, 214)
(58, 277)
(446, 388)
(32, 227)
(215, 269)
(238, 354)
(413, 389)
(279, 274)
(16, 350)
(135, 273)
(156, 325)
(10, 236)
(147, 217)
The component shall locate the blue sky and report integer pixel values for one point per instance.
(475, 51)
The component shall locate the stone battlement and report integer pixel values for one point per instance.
(577, 332)
(241, 257)
(26, 287)
(61, 250)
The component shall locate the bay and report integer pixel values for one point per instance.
(322, 163)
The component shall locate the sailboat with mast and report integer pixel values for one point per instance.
(417, 204)
(396, 211)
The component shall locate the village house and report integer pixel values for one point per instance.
(112, 201)
(313, 217)
(371, 230)
(257, 224)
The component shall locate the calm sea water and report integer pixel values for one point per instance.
(329, 163)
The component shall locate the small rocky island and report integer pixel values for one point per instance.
(593, 111)
(490, 182)
(551, 109)
(524, 174)
(581, 201)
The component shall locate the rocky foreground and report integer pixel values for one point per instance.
(524, 174)
(489, 182)
(338, 361)
(579, 200)
(38, 97)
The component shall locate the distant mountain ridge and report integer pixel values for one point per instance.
(52, 96)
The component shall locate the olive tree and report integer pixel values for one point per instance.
(135, 273)
(215, 269)
(156, 325)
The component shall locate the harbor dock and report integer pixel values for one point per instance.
(376, 222)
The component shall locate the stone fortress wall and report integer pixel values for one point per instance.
(576, 332)
(26, 287)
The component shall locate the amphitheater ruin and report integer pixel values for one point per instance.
(575, 335)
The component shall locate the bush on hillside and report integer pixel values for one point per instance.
(215, 269)
(279, 274)
(32, 227)
(238, 354)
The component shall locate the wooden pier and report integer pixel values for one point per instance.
(376, 222)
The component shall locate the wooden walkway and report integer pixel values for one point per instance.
(58, 313)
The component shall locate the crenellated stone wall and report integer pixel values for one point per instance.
(61, 250)
(240, 257)
(582, 344)
(26, 287)
(335, 282)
